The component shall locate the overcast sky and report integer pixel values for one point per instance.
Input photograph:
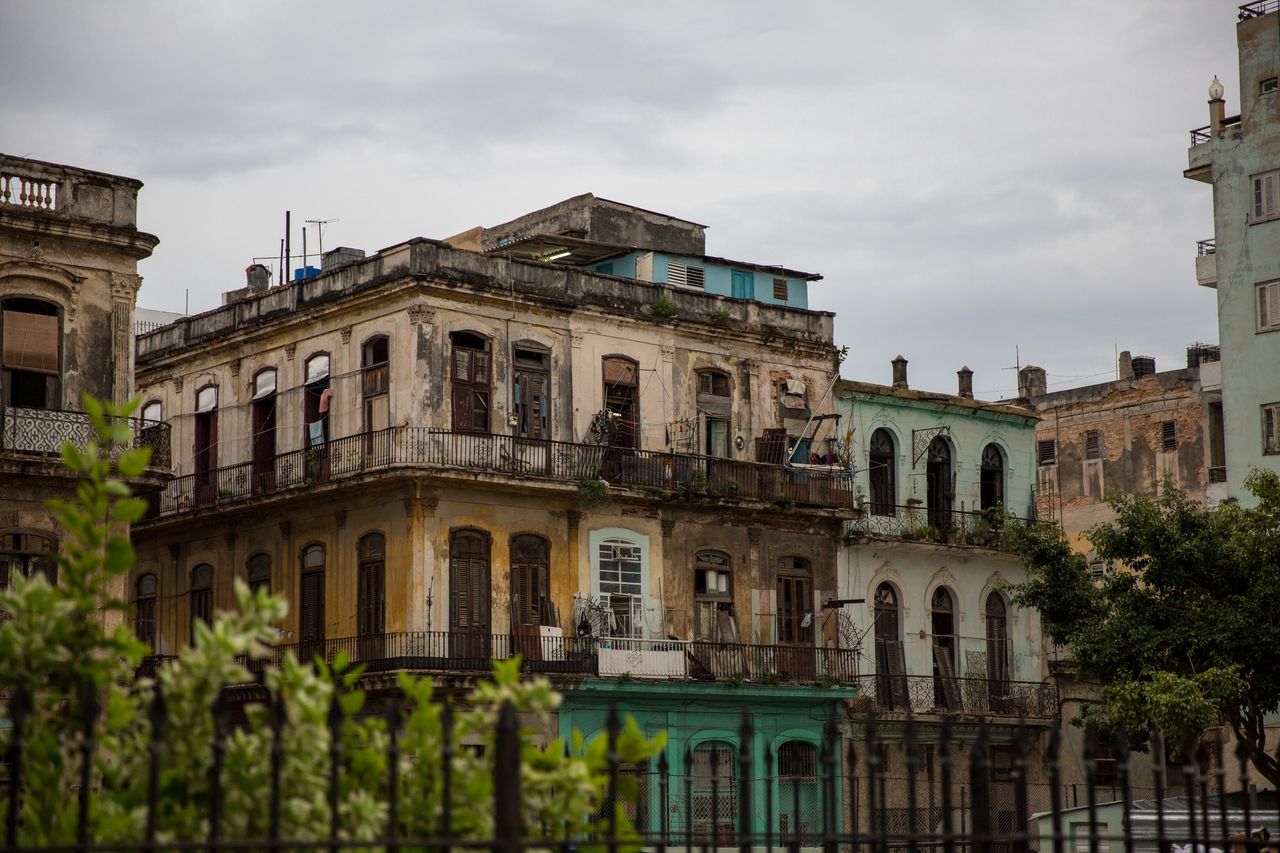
(968, 177)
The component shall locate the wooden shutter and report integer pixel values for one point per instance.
(1269, 305)
(31, 342)
(311, 612)
(371, 593)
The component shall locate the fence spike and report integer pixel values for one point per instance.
(746, 789)
(768, 796)
(219, 713)
(688, 797)
(1189, 785)
(980, 799)
(1242, 763)
(90, 706)
(946, 761)
(1159, 761)
(157, 717)
(507, 805)
(19, 708)
(446, 754)
(913, 767)
(830, 752)
(851, 781)
(1021, 828)
(1123, 775)
(394, 719)
(335, 761)
(711, 840)
(612, 728)
(1091, 786)
(1220, 774)
(664, 786)
(278, 717)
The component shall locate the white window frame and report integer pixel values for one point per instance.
(1268, 305)
(1264, 196)
(636, 602)
(1271, 429)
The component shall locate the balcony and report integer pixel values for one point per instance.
(952, 527)
(610, 657)
(929, 694)
(422, 448)
(42, 432)
(1258, 8)
(1207, 263)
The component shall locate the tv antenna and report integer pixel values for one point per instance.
(319, 224)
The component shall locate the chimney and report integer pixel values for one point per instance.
(965, 376)
(1126, 366)
(1032, 382)
(1217, 106)
(899, 372)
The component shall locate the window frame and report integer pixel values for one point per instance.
(1273, 448)
(200, 596)
(144, 609)
(1093, 444)
(711, 601)
(1264, 206)
(781, 289)
(1267, 306)
(532, 421)
(307, 571)
(1046, 452)
(1168, 436)
(471, 388)
(634, 600)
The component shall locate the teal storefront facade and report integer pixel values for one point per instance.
(703, 724)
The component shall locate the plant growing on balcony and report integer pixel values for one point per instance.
(75, 697)
(664, 307)
(593, 493)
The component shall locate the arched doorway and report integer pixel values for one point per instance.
(891, 684)
(941, 486)
(998, 664)
(992, 482)
(943, 627)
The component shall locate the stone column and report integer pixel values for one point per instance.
(124, 296)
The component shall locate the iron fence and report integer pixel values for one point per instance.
(42, 432)
(985, 528)
(859, 785)
(510, 456)
(468, 652)
(1258, 8)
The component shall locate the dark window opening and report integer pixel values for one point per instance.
(371, 553)
(375, 384)
(1168, 435)
(201, 596)
(795, 602)
(259, 571)
(531, 392)
(780, 289)
(316, 402)
(992, 477)
(714, 383)
(206, 446)
(144, 610)
(940, 485)
(26, 554)
(997, 648)
(1092, 444)
(30, 341)
(713, 597)
(263, 417)
(470, 365)
(890, 659)
(1047, 451)
(311, 623)
(469, 593)
(882, 472)
(530, 581)
(622, 400)
(943, 624)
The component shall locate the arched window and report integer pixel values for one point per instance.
(201, 596)
(153, 411)
(469, 579)
(375, 383)
(259, 571)
(311, 627)
(798, 784)
(890, 659)
(715, 764)
(531, 389)
(316, 399)
(943, 619)
(471, 366)
(530, 580)
(371, 555)
(715, 405)
(941, 484)
(620, 571)
(998, 651)
(30, 340)
(262, 413)
(882, 469)
(144, 610)
(206, 446)
(622, 399)
(992, 477)
(713, 617)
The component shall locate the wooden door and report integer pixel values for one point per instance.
(469, 599)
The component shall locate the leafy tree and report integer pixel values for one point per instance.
(61, 666)
(1184, 635)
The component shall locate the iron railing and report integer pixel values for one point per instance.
(42, 432)
(933, 694)
(1206, 247)
(922, 787)
(462, 652)
(1258, 8)
(673, 474)
(1217, 473)
(985, 528)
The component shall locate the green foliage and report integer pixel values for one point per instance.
(57, 652)
(722, 317)
(1184, 633)
(593, 493)
(664, 307)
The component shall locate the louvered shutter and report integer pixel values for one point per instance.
(311, 615)
(1264, 307)
(1271, 429)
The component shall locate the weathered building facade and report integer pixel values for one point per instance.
(1240, 157)
(69, 252)
(443, 457)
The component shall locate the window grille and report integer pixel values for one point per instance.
(685, 274)
(780, 290)
(1168, 435)
(1092, 444)
(1047, 451)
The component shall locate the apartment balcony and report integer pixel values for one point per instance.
(984, 529)
(931, 694)
(1257, 9)
(508, 457)
(42, 432)
(1207, 263)
(464, 653)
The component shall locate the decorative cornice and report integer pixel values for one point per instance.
(574, 518)
(345, 331)
(668, 528)
(124, 286)
(235, 367)
(177, 384)
(290, 350)
(420, 313)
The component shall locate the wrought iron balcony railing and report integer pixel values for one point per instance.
(508, 456)
(1258, 8)
(473, 653)
(1206, 247)
(934, 694)
(984, 528)
(42, 432)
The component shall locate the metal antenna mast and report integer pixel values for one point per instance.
(320, 224)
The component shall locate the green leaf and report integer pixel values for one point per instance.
(133, 462)
(120, 556)
(129, 510)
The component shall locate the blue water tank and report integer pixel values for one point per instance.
(305, 272)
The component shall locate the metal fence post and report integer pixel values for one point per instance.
(506, 781)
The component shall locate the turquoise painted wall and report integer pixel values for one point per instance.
(718, 278)
(693, 714)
